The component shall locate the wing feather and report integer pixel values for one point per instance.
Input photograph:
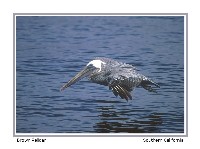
(122, 92)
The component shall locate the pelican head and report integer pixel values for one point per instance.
(91, 68)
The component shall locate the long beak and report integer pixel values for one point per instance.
(85, 72)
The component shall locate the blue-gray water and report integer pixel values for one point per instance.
(51, 50)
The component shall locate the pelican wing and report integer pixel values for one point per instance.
(121, 91)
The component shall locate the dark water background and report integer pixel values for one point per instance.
(50, 50)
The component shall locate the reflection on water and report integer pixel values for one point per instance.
(122, 121)
(51, 50)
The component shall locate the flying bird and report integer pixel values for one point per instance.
(120, 77)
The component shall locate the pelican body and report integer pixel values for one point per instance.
(120, 77)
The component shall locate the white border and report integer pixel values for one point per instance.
(185, 134)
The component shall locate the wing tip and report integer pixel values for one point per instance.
(123, 93)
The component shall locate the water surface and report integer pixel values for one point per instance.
(50, 50)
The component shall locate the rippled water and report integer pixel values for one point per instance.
(50, 50)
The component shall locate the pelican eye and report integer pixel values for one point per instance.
(91, 66)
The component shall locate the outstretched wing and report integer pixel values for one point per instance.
(122, 82)
(121, 91)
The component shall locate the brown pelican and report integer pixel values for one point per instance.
(120, 77)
